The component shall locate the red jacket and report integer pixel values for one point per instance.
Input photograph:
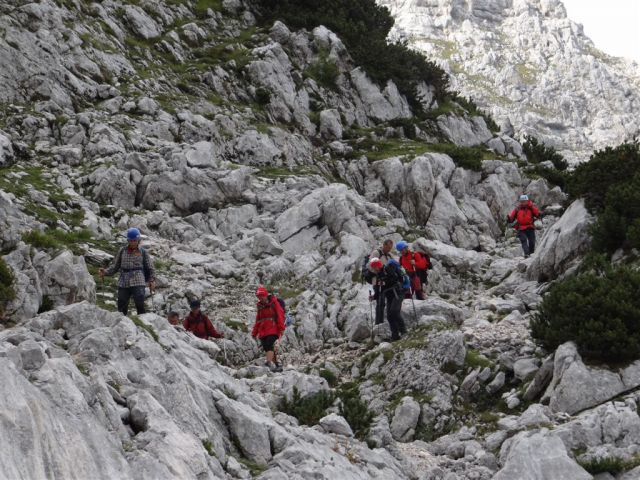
(269, 319)
(201, 326)
(525, 216)
(421, 262)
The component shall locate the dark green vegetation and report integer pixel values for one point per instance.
(363, 27)
(311, 408)
(610, 184)
(613, 465)
(599, 310)
(7, 293)
(538, 153)
(55, 238)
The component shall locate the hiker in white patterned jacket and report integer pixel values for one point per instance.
(136, 270)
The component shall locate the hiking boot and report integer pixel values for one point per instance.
(272, 366)
(277, 368)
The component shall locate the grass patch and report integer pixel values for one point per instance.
(55, 239)
(208, 446)
(236, 325)
(254, 469)
(147, 328)
(474, 359)
(354, 410)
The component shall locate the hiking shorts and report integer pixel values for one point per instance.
(268, 342)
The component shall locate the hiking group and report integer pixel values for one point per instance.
(393, 280)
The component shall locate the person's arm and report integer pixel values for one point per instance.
(511, 217)
(186, 324)
(536, 211)
(254, 331)
(148, 265)
(211, 330)
(115, 266)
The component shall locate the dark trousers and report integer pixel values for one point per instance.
(528, 240)
(380, 306)
(125, 294)
(394, 314)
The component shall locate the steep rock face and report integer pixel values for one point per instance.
(530, 66)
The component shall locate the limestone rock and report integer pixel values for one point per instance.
(405, 419)
(561, 244)
(333, 423)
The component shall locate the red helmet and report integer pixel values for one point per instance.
(375, 263)
(262, 292)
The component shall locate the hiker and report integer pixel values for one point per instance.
(524, 216)
(390, 286)
(384, 255)
(269, 325)
(173, 318)
(199, 324)
(416, 265)
(136, 270)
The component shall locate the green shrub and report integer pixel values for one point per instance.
(325, 72)
(310, 409)
(465, 157)
(538, 152)
(263, 96)
(599, 311)
(329, 376)
(618, 225)
(363, 27)
(354, 410)
(607, 169)
(7, 292)
(613, 465)
(551, 175)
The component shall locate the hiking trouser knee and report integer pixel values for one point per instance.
(125, 294)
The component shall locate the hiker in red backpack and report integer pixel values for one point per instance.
(416, 265)
(269, 325)
(199, 324)
(524, 216)
(384, 255)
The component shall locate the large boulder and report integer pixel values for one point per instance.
(405, 420)
(65, 279)
(564, 242)
(576, 387)
(538, 456)
(464, 131)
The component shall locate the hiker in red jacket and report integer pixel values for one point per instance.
(199, 324)
(269, 325)
(416, 265)
(524, 216)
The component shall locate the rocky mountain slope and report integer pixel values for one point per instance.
(250, 153)
(529, 65)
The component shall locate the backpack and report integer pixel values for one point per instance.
(402, 273)
(288, 319)
(365, 274)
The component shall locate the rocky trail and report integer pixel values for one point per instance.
(252, 153)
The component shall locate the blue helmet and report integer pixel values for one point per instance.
(401, 245)
(133, 234)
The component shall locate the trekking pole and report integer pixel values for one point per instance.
(415, 315)
(371, 315)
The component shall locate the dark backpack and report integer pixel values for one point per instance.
(367, 275)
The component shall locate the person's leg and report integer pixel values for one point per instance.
(267, 344)
(397, 309)
(138, 299)
(531, 235)
(124, 294)
(524, 240)
(392, 316)
(380, 306)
